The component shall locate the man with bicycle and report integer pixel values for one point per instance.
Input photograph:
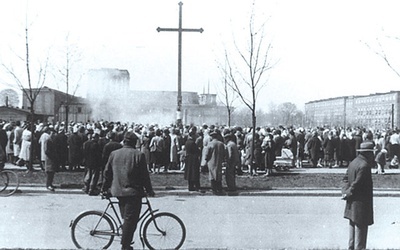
(126, 175)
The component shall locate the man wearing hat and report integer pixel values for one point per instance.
(232, 159)
(127, 175)
(357, 192)
(213, 157)
(93, 164)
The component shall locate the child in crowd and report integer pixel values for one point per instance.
(380, 160)
(394, 163)
(182, 158)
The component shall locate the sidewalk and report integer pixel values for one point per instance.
(182, 190)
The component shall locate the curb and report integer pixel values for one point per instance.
(182, 191)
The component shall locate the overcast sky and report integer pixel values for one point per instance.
(320, 45)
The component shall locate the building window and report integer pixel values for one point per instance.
(79, 109)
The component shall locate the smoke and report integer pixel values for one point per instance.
(111, 99)
(108, 94)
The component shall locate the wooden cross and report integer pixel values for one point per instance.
(180, 30)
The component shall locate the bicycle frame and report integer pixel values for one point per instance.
(148, 213)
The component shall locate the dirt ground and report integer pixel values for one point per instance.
(280, 179)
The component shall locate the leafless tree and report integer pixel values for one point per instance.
(31, 92)
(227, 95)
(381, 52)
(247, 68)
(287, 112)
(71, 56)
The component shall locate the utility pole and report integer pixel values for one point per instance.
(179, 30)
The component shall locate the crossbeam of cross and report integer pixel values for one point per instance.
(180, 30)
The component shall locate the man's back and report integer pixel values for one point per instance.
(215, 152)
(92, 154)
(126, 172)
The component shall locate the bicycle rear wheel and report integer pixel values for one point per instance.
(92, 230)
(164, 231)
(9, 182)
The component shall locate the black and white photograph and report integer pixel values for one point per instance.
(199, 124)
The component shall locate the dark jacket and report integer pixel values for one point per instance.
(61, 144)
(75, 143)
(358, 189)
(314, 147)
(108, 148)
(52, 161)
(92, 154)
(126, 173)
(192, 160)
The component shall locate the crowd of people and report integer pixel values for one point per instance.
(191, 149)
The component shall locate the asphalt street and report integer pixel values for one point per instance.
(286, 218)
(41, 221)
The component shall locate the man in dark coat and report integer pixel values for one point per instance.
(127, 175)
(357, 191)
(112, 145)
(268, 147)
(301, 140)
(166, 151)
(314, 148)
(93, 164)
(279, 142)
(61, 144)
(232, 160)
(329, 149)
(75, 148)
(51, 161)
(3, 138)
(192, 162)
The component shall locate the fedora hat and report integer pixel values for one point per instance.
(367, 146)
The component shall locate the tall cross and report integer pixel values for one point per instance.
(180, 30)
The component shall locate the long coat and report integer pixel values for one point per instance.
(329, 148)
(43, 145)
(75, 154)
(126, 173)
(51, 160)
(214, 156)
(358, 189)
(192, 160)
(25, 145)
(92, 154)
(269, 157)
(314, 147)
(61, 144)
(233, 161)
(175, 147)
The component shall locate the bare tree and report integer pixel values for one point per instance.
(228, 94)
(31, 92)
(288, 112)
(383, 54)
(248, 74)
(71, 57)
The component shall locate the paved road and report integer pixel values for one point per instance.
(41, 220)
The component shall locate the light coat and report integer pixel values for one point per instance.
(214, 156)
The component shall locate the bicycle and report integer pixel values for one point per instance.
(9, 182)
(97, 229)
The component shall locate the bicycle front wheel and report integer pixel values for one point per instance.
(92, 230)
(164, 231)
(9, 182)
